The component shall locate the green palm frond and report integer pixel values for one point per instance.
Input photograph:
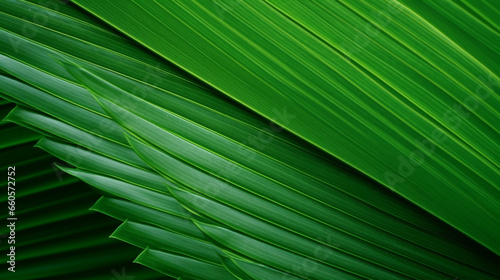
(356, 74)
(52, 212)
(209, 189)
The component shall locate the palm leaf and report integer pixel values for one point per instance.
(393, 92)
(45, 235)
(113, 187)
(211, 190)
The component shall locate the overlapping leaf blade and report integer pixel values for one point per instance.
(264, 54)
(191, 135)
(188, 176)
(43, 231)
